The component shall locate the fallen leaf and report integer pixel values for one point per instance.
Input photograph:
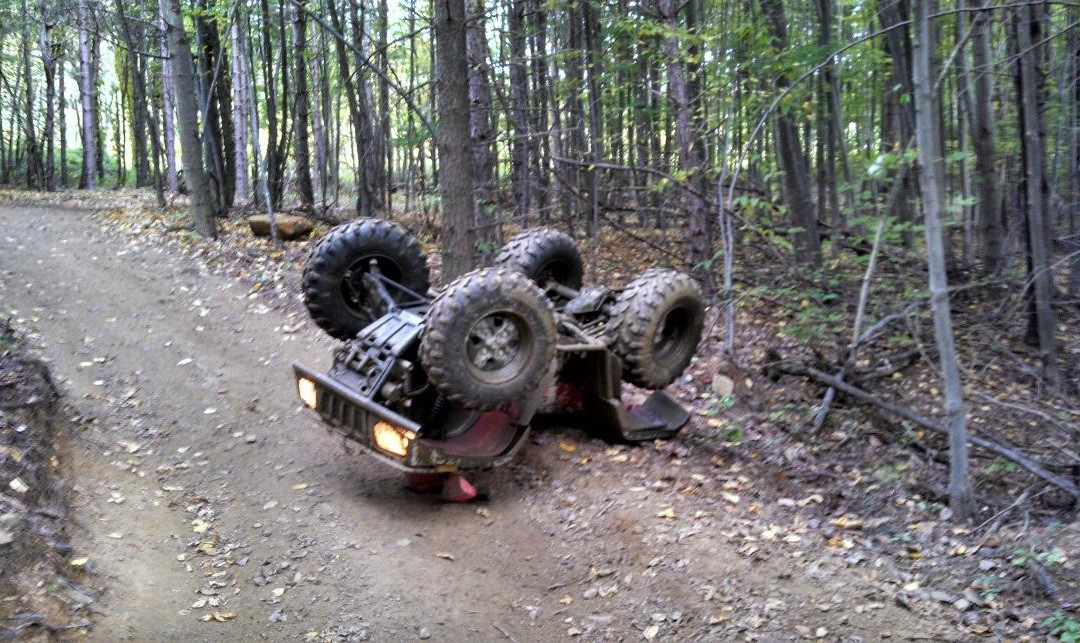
(667, 512)
(567, 447)
(300, 487)
(80, 561)
(445, 555)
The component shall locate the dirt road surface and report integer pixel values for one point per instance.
(210, 506)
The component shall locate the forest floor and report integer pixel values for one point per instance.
(209, 505)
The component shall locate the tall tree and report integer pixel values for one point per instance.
(983, 131)
(305, 190)
(455, 176)
(1029, 35)
(203, 208)
(241, 105)
(48, 63)
(930, 184)
(691, 161)
(789, 156)
(34, 170)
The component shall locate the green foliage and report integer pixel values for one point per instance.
(1064, 626)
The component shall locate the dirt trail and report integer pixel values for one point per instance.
(204, 490)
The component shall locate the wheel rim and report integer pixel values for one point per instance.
(672, 339)
(353, 291)
(498, 347)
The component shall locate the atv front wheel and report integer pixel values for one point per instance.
(489, 339)
(334, 290)
(655, 327)
(543, 255)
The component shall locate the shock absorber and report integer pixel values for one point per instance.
(434, 424)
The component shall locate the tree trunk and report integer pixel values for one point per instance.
(63, 124)
(541, 139)
(216, 104)
(1028, 34)
(304, 188)
(481, 131)
(241, 102)
(34, 173)
(930, 184)
(794, 183)
(167, 127)
(203, 209)
(358, 118)
(386, 145)
(519, 99)
(48, 61)
(371, 155)
(691, 162)
(455, 176)
(990, 226)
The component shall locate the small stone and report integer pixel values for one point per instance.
(723, 385)
(425, 633)
(962, 605)
(278, 617)
(590, 593)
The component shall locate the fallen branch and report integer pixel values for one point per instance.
(1015, 456)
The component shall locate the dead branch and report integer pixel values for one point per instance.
(1009, 453)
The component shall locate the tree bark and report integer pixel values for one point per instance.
(1028, 34)
(241, 105)
(304, 187)
(794, 183)
(183, 77)
(34, 171)
(358, 118)
(167, 126)
(691, 161)
(455, 176)
(930, 183)
(481, 132)
(48, 61)
(519, 99)
(983, 129)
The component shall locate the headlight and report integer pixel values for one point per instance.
(307, 392)
(392, 439)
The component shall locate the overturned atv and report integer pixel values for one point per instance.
(440, 382)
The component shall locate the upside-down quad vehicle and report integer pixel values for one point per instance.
(441, 382)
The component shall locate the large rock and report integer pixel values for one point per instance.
(289, 226)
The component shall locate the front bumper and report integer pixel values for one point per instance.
(494, 438)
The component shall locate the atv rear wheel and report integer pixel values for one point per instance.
(655, 327)
(489, 339)
(334, 290)
(543, 255)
